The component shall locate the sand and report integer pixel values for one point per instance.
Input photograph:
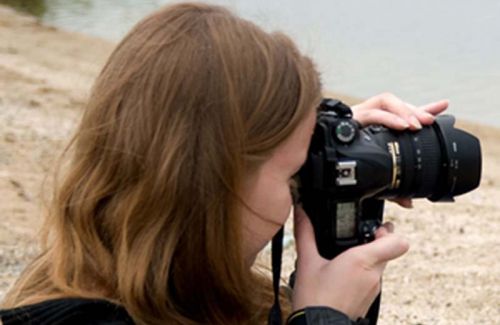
(451, 275)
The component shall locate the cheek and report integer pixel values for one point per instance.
(280, 203)
(271, 199)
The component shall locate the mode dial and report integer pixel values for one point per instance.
(345, 131)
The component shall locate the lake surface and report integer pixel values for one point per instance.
(420, 50)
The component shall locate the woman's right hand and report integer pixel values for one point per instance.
(351, 281)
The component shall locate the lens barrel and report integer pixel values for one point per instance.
(437, 162)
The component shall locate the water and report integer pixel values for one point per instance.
(420, 50)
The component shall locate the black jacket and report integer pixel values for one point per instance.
(75, 311)
(68, 311)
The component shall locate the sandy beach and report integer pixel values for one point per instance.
(451, 275)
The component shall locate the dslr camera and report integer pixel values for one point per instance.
(351, 170)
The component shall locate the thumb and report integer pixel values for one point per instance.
(385, 248)
(307, 251)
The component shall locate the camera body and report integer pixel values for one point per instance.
(351, 170)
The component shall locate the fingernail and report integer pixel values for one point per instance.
(403, 123)
(415, 123)
(429, 115)
(389, 226)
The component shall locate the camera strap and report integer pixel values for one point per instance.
(276, 252)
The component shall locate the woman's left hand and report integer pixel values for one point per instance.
(394, 113)
(391, 111)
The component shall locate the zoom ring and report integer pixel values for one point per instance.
(427, 161)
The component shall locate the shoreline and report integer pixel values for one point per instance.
(448, 277)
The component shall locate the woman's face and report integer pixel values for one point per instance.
(267, 191)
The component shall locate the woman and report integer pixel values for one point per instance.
(179, 175)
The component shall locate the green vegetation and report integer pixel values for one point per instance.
(33, 7)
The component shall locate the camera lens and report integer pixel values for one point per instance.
(437, 162)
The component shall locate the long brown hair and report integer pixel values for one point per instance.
(191, 101)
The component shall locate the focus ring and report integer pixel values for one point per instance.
(427, 160)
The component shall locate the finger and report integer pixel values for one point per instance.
(436, 107)
(386, 248)
(389, 226)
(424, 117)
(393, 104)
(410, 105)
(426, 113)
(381, 232)
(388, 119)
(385, 229)
(404, 202)
(307, 251)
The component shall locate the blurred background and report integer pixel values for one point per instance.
(420, 50)
(52, 50)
